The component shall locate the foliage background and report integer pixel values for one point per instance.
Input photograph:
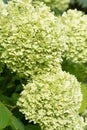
(11, 86)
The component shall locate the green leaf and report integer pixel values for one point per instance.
(7, 119)
(8, 128)
(6, 1)
(32, 127)
(84, 102)
(16, 124)
(5, 116)
(83, 3)
(6, 100)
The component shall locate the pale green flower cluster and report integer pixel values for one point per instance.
(60, 4)
(32, 41)
(52, 100)
(75, 23)
(2, 8)
(2, 11)
(29, 40)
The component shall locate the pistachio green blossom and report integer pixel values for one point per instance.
(32, 41)
(52, 100)
(29, 40)
(2, 8)
(75, 29)
(60, 4)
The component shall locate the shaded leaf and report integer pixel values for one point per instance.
(32, 127)
(17, 124)
(5, 116)
(83, 3)
(84, 102)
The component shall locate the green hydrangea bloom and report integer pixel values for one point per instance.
(75, 29)
(29, 39)
(1, 6)
(2, 12)
(60, 4)
(52, 100)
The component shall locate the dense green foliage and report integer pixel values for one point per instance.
(43, 57)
